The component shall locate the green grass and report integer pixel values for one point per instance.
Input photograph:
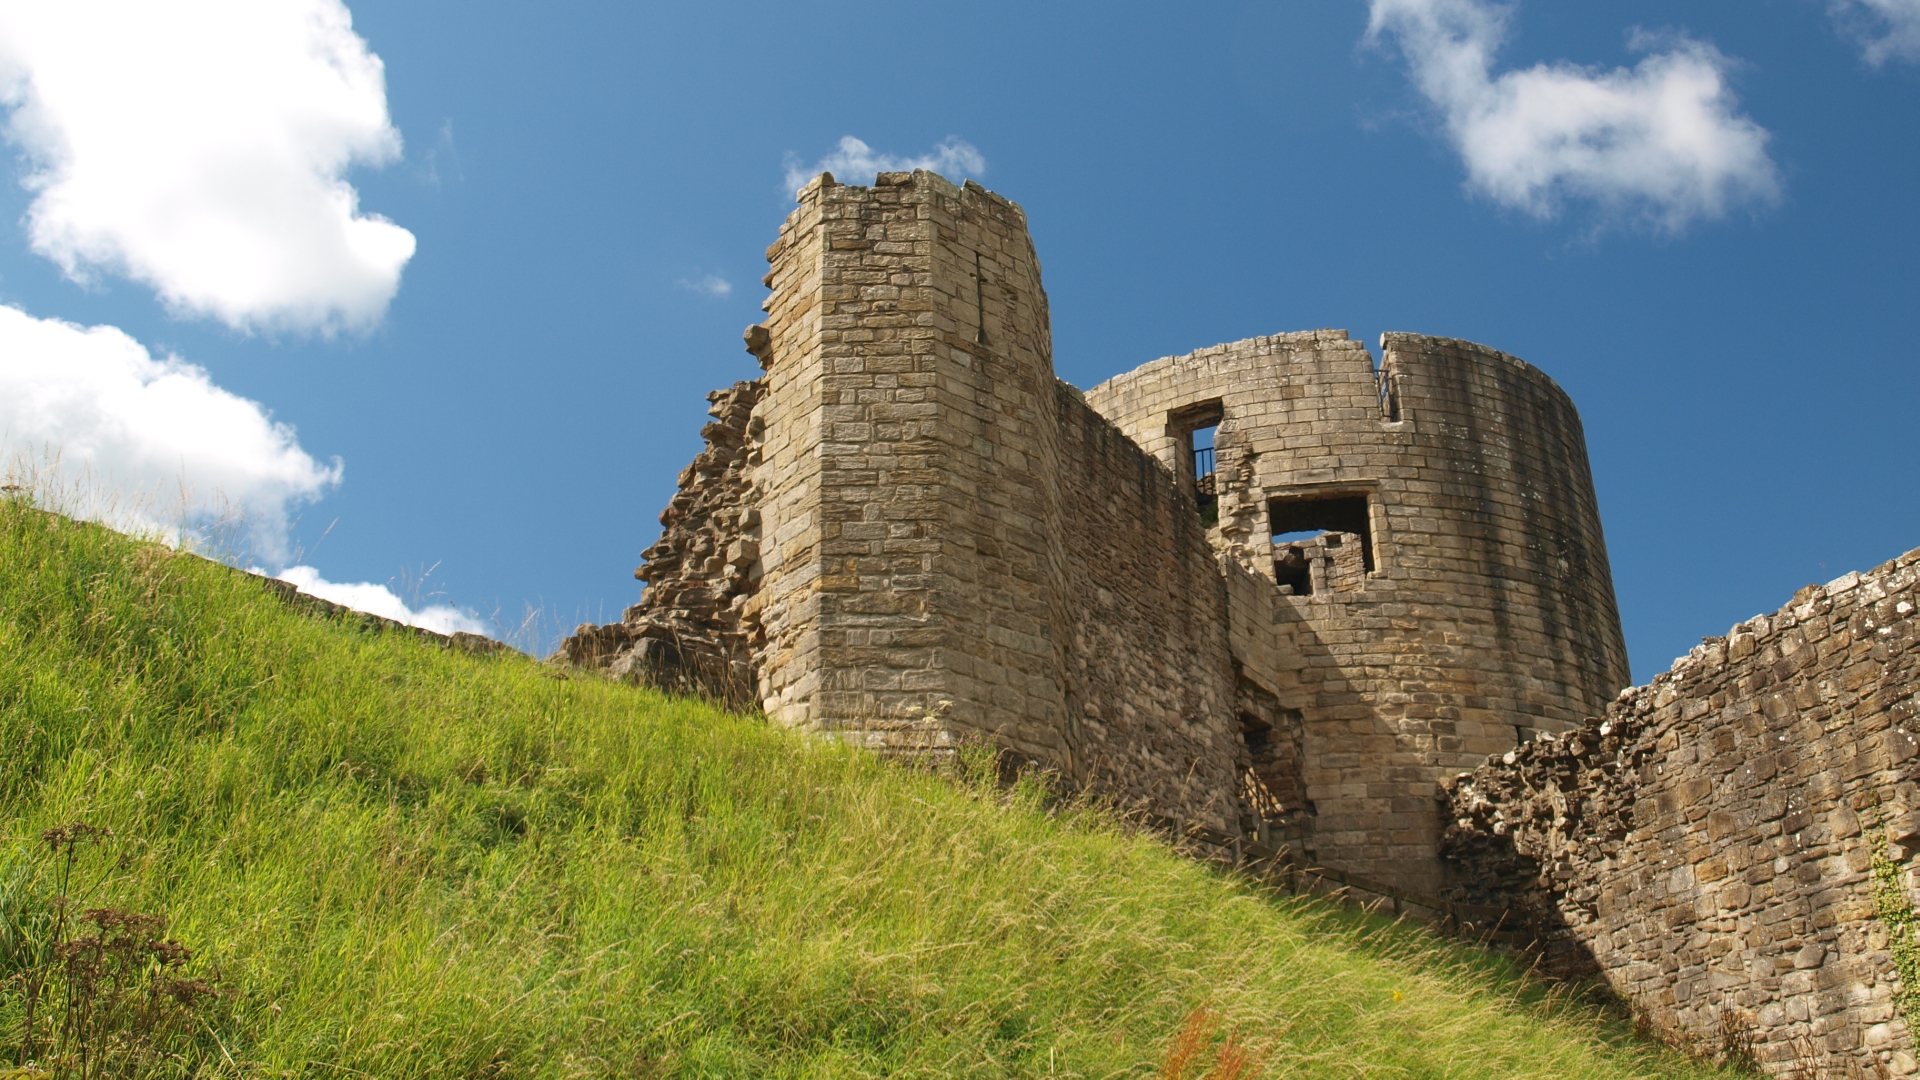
(405, 861)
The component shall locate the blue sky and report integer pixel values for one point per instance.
(589, 189)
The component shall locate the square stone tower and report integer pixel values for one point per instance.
(951, 542)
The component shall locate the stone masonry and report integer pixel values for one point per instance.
(941, 540)
(1369, 621)
(910, 533)
(1710, 845)
(687, 632)
(1456, 598)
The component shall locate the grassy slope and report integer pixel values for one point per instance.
(409, 862)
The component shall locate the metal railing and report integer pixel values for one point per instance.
(1203, 462)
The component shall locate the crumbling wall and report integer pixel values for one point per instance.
(1273, 787)
(1716, 846)
(689, 633)
(1329, 563)
(287, 591)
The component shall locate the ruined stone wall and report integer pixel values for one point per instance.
(787, 452)
(687, 633)
(1709, 846)
(1459, 596)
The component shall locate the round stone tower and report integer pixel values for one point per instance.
(1416, 573)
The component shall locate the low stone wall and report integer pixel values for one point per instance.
(1728, 846)
(477, 644)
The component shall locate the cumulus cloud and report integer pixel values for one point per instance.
(854, 162)
(1886, 29)
(201, 148)
(380, 600)
(1662, 141)
(712, 285)
(144, 442)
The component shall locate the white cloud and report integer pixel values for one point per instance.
(201, 148)
(854, 162)
(144, 443)
(1886, 29)
(380, 600)
(711, 284)
(442, 147)
(1661, 140)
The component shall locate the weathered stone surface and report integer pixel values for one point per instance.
(955, 544)
(1707, 846)
(1460, 597)
(688, 633)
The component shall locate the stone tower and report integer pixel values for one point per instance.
(1456, 598)
(909, 533)
(952, 543)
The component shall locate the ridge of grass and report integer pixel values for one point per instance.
(405, 861)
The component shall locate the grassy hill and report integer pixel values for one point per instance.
(398, 860)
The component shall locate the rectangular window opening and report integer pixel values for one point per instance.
(1274, 783)
(1389, 396)
(1310, 529)
(1201, 442)
(1194, 426)
(1206, 487)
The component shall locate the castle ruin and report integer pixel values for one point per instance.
(909, 532)
(1368, 620)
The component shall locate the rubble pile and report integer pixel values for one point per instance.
(1528, 825)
